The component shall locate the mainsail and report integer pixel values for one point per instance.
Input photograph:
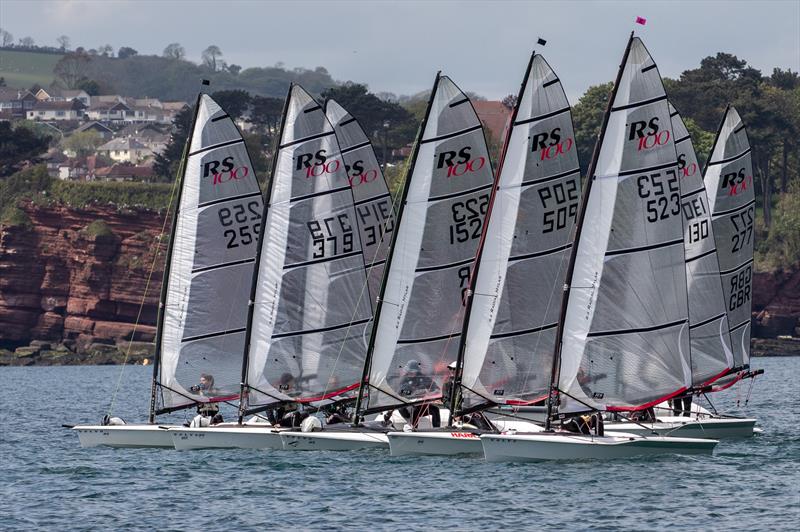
(308, 325)
(510, 337)
(711, 354)
(625, 342)
(445, 199)
(729, 182)
(210, 264)
(373, 203)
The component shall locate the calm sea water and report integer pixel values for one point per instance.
(50, 483)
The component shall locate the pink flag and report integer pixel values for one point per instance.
(641, 20)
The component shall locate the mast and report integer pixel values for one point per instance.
(578, 226)
(474, 277)
(256, 266)
(165, 277)
(387, 267)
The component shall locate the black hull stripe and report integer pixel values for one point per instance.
(215, 146)
(639, 330)
(693, 192)
(223, 117)
(541, 117)
(315, 194)
(539, 253)
(639, 104)
(212, 335)
(648, 169)
(320, 261)
(526, 331)
(223, 265)
(374, 198)
(306, 139)
(544, 179)
(736, 269)
(323, 329)
(706, 322)
(451, 135)
(354, 148)
(700, 256)
(445, 266)
(731, 211)
(730, 159)
(462, 193)
(740, 326)
(432, 339)
(232, 198)
(644, 248)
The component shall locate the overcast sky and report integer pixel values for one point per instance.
(399, 46)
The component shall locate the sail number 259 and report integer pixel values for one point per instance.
(243, 222)
(663, 198)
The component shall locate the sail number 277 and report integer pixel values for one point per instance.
(243, 222)
(663, 198)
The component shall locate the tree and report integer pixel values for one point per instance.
(168, 161)
(6, 37)
(83, 143)
(234, 69)
(63, 42)
(510, 101)
(211, 56)
(106, 50)
(71, 69)
(174, 51)
(27, 42)
(235, 102)
(91, 87)
(125, 52)
(265, 113)
(18, 145)
(587, 115)
(2, 81)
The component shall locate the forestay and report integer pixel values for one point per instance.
(210, 268)
(308, 338)
(729, 182)
(711, 354)
(445, 199)
(510, 337)
(626, 332)
(373, 203)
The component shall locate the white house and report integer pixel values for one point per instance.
(56, 110)
(125, 150)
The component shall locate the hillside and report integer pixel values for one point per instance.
(21, 68)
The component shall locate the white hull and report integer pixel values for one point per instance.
(231, 437)
(684, 427)
(562, 446)
(437, 443)
(331, 440)
(124, 435)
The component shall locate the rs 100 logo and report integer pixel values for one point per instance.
(317, 164)
(224, 170)
(648, 134)
(459, 162)
(736, 182)
(687, 170)
(550, 145)
(357, 176)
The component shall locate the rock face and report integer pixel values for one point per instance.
(776, 303)
(81, 278)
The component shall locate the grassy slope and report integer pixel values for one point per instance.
(22, 69)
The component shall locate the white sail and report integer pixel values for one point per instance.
(729, 183)
(625, 342)
(210, 269)
(446, 196)
(711, 353)
(307, 340)
(373, 203)
(514, 313)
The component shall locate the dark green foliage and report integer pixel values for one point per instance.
(587, 115)
(168, 161)
(19, 144)
(235, 102)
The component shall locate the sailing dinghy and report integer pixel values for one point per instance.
(710, 345)
(207, 277)
(622, 342)
(509, 333)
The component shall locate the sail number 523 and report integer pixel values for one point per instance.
(663, 197)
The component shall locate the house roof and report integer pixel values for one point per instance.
(174, 106)
(8, 94)
(103, 105)
(122, 144)
(125, 170)
(97, 126)
(52, 105)
(495, 115)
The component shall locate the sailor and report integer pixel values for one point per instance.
(415, 384)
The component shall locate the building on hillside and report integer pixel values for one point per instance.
(107, 111)
(16, 102)
(50, 110)
(105, 132)
(125, 172)
(171, 109)
(54, 94)
(495, 116)
(148, 133)
(125, 150)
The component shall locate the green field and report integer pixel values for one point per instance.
(22, 69)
